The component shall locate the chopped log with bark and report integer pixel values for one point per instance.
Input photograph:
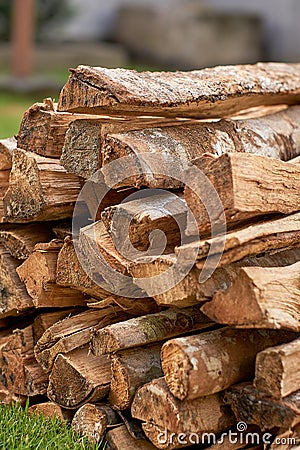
(14, 297)
(45, 320)
(51, 410)
(119, 439)
(38, 273)
(248, 186)
(250, 406)
(162, 414)
(20, 240)
(131, 369)
(73, 332)
(210, 362)
(92, 421)
(43, 129)
(148, 329)
(78, 378)
(39, 189)
(187, 94)
(7, 147)
(259, 298)
(276, 370)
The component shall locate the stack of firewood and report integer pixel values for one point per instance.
(96, 326)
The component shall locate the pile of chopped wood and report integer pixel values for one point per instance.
(151, 341)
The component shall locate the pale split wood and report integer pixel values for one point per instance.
(7, 147)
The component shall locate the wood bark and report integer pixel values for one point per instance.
(51, 410)
(39, 189)
(45, 320)
(92, 421)
(250, 406)
(188, 94)
(276, 370)
(148, 329)
(119, 439)
(248, 186)
(7, 147)
(260, 298)
(4, 183)
(131, 369)
(207, 363)
(38, 273)
(78, 378)
(43, 129)
(162, 414)
(73, 332)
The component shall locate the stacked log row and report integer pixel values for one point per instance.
(97, 328)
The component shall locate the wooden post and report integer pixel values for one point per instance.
(22, 37)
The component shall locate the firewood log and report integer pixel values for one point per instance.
(39, 189)
(148, 329)
(7, 147)
(206, 363)
(250, 406)
(131, 369)
(4, 183)
(119, 439)
(248, 186)
(164, 417)
(45, 320)
(73, 332)
(51, 410)
(78, 378)
(260, 298)
(276, 370)
(38, 273)
(92, 421)
(43, 129)
(215, 92)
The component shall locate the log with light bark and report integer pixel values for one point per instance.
(73, 332)
(248, 186)
(43, 129)
(259, 298)
(92, 421)
(131, 369)
(79, 377)
(119, 439)
(38, 273)
(14, 298)
(250, 406)
(7, 147)
(207, 363)
(162, 414)
(276, 370)
(51, 410)
(187, 94)
(20, 240)
(39, 189)
(148, 329)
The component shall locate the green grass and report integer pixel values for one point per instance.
(18, 431)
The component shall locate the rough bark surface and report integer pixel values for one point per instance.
(7, 147)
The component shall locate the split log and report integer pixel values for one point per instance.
(248, 186)
(207, 363)
(78, 378)
(92, 421)
(250, 406)
(14, 298)
(135, 306)
(276, 370)
(45, 320)
(148, 329)
(7, 147)
(82, 150)
(39, 189)
(215, 92)
(38, 273)
(131, 369)
(119, 439)
(73, 332)
(259, 298)
(20, 240)
(43, 129)
(4, 183)
(51, 410)
(165, 418)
